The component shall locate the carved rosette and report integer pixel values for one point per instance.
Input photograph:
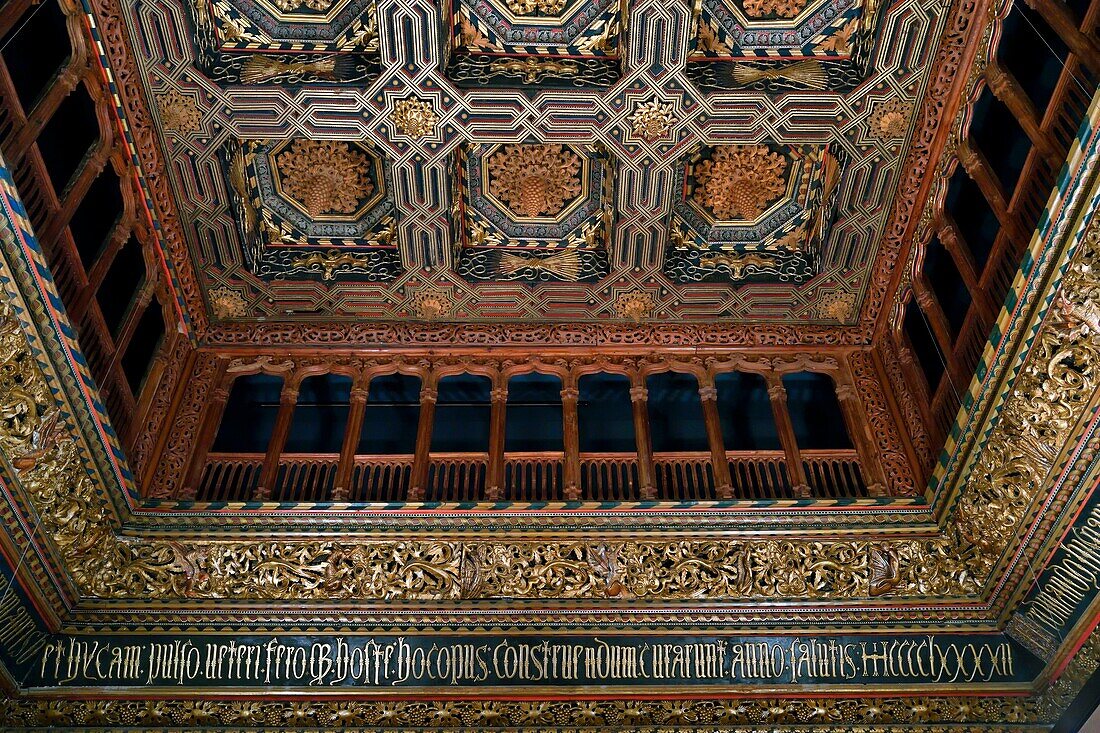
(227, 303)
(325, 176)
(740, 181)
(179, 112)
(535, 180)
(890, 119)
(414, 117)
(652, 120)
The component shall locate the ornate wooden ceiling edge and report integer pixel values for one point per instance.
(129, 90)
(956, 48)
(958, 564)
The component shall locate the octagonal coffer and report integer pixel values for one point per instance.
(314, 209)
(534, 44)
(286, 42)
(752, 212)
(781, 45)
(534, 212)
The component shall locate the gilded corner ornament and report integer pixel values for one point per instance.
(414, 117)
(652, 120)
(179, 112)
(635, 305)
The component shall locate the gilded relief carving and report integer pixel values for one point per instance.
(325, 176)
(535, 180)
(740, 181)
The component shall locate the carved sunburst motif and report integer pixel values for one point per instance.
(740, 182)
(535, 180)
(325, 176)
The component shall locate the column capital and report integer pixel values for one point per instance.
(498, 394)
(638, 394)
(359, 393)
(428, 394)
(570, 393)
(777, 391)
(289, 394)
(845, 392)
(708, 393)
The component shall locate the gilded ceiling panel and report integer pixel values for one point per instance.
(388, 83)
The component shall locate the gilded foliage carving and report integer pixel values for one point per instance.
(847, 715)
(780, 8)
(740, 181)
(326, 176)
(535, 180)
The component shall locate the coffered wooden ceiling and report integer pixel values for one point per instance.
(521, 162)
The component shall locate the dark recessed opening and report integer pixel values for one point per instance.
(745, 412)
(250, 413)
(1033, 53)
(320, 415)
(815, 412)
(971, 213)
(35, 50)
(675, 413)
(121, 284)
(97, 215)
(67, 138)
(924, 345)
(999, 136)
(391, 416)
(143, 346)
(533, 418)
(947, 284)
(605, 417)
(462, 415)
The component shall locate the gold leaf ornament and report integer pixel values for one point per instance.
(535, 180)
(325, 176)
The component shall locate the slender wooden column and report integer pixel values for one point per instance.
(494, 482)
(288, 398)
(723, 484)
(979, 170)
(571, 470)
(964, 261)
(1065, 25)
(795, 470)
(918, 383)
(860, 432)
(638, 396)
(1006, 88)
(345, 467)
(213, 411)
(941, 330)
(418, 483)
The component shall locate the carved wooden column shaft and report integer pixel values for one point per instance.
(639, 405)
(212, 414)
(494, 482)
(1062, 20)
(723, 484)
(419, 480)
(571, 471)
(288, 398)
(345, 468)
(964, 262)
(1006, 88)
(860, 431)
(795, 470)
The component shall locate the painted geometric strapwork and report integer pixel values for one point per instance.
(286, 42)
(535, 212)
(648, 121)
(540, 43)
(779, 45)
(311, 209)
(752, 212)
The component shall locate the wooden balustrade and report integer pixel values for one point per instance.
(538, 477)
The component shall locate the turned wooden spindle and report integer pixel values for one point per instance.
(777, 393)
(638, 402)
(571, 470)
(708, 395)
